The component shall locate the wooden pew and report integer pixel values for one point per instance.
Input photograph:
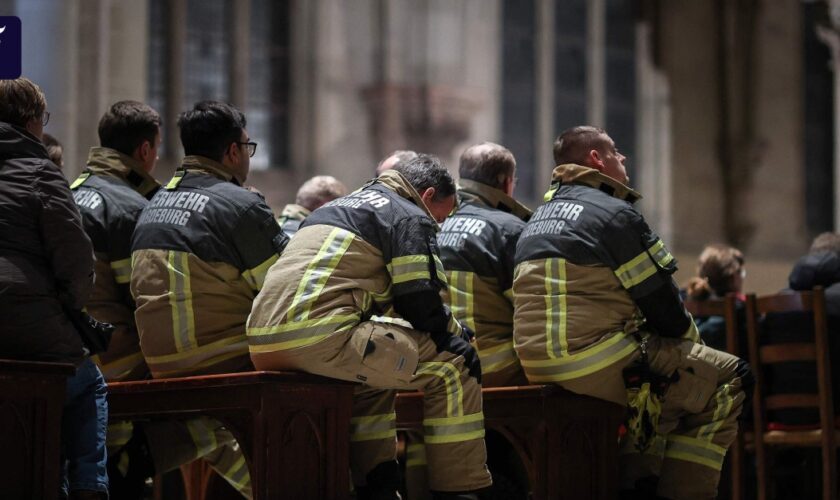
(568, 443)
(292, 427)
(31, 405)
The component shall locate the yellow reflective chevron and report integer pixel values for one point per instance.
(692, 333)
(723, 402)
(555, 308)
(180, 300)
(462, 296)
(550, 193)
(698, 451)
(203, 434)
(373, 427)
(80, 180)
(318, 272)
(256, 276)
(176, 179)
(453, 429)
(439, 271)
(452, 380)
(122, 270)
(644, 265)
(119, 368)
(237, 474)
(581, 363)
(409, 268)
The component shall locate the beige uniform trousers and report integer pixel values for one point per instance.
(416, 473)
(387, 357)
(698, 421)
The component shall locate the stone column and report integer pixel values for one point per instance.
(831, 37)
(545, 95)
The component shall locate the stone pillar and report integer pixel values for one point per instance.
(50, 59)
(240, 59)
(544, 102)
(831, 37)
(128, 44)
(177, 33)
(596, 53)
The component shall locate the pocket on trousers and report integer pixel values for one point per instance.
(695, 386)
(391, 354)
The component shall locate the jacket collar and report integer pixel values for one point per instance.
(395, 181)
(112, 163)
(204, 165)
(477, 192)
(571, 173)
(17, 142)
(294, 212)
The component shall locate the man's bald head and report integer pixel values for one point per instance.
(487, 163)
(398, 157)
(319, 190)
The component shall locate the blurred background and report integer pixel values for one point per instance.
(724, 108)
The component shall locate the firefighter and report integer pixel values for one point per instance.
(593, 295)
(477, 245)
(374, 253)
(200, 254)
(311, 195)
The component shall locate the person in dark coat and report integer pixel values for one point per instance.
(46, 269)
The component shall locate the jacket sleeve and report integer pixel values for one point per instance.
(507, 261)
(644, 266)
(66, 244)
(259, 241)
(417, 277)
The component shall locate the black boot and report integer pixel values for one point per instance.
(129, 468)
(383, 483)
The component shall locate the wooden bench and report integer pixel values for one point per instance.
(568, 443)
(31, 405)
(293, 428)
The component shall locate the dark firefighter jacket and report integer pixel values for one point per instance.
(477, 246)
(355, 257)
(111, 192)
(200, 254)
(46, 259)
(291, 218)
(589, 272)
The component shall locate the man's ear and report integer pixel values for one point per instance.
(427, 194)
(232, 153)
(143, 151)
(594, 159)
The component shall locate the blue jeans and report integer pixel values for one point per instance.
(83, 427)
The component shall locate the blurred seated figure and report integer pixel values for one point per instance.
(819, 267)
(311, 195)
(720, 270)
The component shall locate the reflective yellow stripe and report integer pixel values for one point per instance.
(318, 272)
(462, 298)
(373, 427)
(508, 294)
(660, 254)
(497, 357)
(80, 180)
(119, 433)
(439, 270)
(180, 300)
(237, 474)
(453, 429)
(452, 380)
(409, 268)
(415, 455)
(643, 266)
(697, 451)
(723, 407)
(188, 366)
(692, 333)
(581, 363)
(550, 193)
(122, 270)
(256, 276)
(203, 434)
(298, 333)
(555, 308)
(176, 179)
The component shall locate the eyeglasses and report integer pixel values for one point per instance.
(45, 118)
(252, 147)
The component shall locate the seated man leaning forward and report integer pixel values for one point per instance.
(593, 295)
(366, 254)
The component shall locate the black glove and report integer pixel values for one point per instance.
(95, 335)
(466, 333)
(457, 345)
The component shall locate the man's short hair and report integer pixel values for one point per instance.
(210, 128)
(54, 148)
(487, 163)
(427, 171)
(826, 242)
(402, 155)
(21, 100)
(574, 144)
(319, 190)
(127, 124)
